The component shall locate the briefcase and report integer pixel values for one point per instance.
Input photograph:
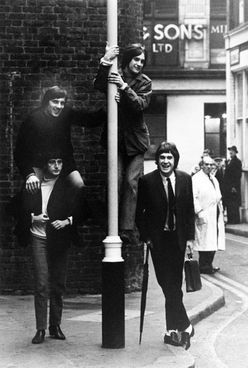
(192, 275)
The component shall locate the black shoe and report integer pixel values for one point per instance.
(39, 337)
(172, 339)
(185, 338)
(216, 269)
(56, 333)
(207, 271)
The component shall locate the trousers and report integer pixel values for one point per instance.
(130, 169)
(50, 281)
(168, 261)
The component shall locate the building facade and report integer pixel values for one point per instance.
(237, 88)
(186, 49)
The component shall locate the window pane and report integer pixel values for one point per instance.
(166, 8)
(212, 142)
(212, 125)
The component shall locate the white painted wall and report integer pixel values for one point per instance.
(185, 127)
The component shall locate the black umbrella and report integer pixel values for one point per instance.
(144, 291)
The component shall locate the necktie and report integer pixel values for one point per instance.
(171, 200)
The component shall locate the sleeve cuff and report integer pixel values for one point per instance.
(105, 62)
(125, 85)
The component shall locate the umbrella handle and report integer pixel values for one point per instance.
(147, 248)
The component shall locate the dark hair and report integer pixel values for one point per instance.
(130, 52)
(167, 147)
(52, 93)
(52, 154)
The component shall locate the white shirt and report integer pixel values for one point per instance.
(39, 229)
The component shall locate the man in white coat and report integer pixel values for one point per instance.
(209, 219)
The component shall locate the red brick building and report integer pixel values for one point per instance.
(46, 42)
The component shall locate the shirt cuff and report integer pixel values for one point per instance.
(70, 220)
(125, 85)
(105, 62)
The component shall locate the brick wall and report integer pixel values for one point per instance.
(46, 42)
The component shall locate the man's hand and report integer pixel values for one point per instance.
(117, 97)
(42, 218)
(60, 224)
(32, 184)
(116, 79)
(111, 52)
(189, 248)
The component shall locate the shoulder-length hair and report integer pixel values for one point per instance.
(130, 52)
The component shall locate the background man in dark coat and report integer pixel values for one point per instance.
(165, 217)
(232, 190)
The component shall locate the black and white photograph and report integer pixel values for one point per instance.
(123, 183)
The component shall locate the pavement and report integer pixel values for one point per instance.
(82, 327)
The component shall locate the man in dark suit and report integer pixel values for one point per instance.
(232, 191)
(165, 219)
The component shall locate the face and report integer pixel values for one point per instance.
(137, 63)
(55, 106)
(232, 153)
(54, 167)
(207, 165)
(166, 163)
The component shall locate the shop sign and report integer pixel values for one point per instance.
(165, 35)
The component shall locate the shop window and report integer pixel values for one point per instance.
(215, 128)
(155, 118)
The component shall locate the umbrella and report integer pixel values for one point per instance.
(144, 291)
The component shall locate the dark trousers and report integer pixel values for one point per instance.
(206, 260)
(50, 279)
(168, 260)
(233, 216)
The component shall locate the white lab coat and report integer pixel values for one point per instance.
(209, 234)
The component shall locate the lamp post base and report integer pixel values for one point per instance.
(113, 305)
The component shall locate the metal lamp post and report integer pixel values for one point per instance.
(113, 316)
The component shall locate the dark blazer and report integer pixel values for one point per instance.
(59, 207)
(152, 208)
(133, 135)
(232, 179)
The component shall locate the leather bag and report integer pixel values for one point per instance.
(192, 274)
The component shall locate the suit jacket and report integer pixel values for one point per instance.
(152, 208)
(232, 179)
(59, 207)
(133, 135)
